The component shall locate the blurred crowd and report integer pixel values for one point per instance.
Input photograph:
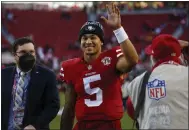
(140, 5)
(46, 55)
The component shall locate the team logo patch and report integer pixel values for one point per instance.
(156, 89)
(106, 60)
(90, 28)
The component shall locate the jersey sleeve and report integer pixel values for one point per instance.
(64, 75)
(117, 52)
(130, 108)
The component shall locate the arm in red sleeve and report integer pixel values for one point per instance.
(130, 108)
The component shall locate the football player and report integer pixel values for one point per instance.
(93, 86)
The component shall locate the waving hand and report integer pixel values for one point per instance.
(114, 18)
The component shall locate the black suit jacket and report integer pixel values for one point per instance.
(42, 102)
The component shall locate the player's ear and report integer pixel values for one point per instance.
(102, 43)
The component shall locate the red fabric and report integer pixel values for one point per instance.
(98, 88)
(98, 125)
(130, 108)
(164, 46)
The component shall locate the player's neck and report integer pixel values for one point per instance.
(91, 58)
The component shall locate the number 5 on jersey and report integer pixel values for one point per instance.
(92, 91)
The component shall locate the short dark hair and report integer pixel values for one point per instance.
(21, 41)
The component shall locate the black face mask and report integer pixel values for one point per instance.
(26, 62)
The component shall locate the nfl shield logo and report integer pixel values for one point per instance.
(156, 89)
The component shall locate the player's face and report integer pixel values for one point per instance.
(90, 44)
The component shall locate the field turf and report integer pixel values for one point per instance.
(126, 122)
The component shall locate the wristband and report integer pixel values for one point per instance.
(121, 35)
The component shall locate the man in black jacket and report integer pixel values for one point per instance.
(29, 96)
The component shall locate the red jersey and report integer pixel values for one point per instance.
(97, 85)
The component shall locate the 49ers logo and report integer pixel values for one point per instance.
(156, 89)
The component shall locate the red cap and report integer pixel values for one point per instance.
(164, 46)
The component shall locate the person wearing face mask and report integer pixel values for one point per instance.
(29, 96)
(165, 103)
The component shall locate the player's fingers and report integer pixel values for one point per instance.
(117, 11)
(113, 7)
(104, 19)
(108, 9)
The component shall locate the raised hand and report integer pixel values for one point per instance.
(114, 18)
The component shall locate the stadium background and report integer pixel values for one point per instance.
(54, 27)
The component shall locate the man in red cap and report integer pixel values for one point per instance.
(166, 93)
(165, 48)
